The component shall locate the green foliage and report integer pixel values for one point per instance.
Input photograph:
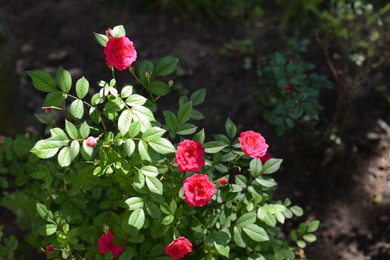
(8, 245)
(128, 183)
(289, 91)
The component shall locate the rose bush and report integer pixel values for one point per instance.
(156, 190)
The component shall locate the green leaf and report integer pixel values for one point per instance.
(45, 149)
(63, 79)
(135, 100)
(71, 129)
(126, 91)
(298, 211)
(266, 182)
(167, 220)
(238, 237)
(144, 68)
(137, 218)
(82, 87)
(135, 128)
(153, 210)
(159, 88)
(231, 128)
(139, 180)
(154, 185)
(101, 39)
(143, 152)
(77, 109)
(200, 136)
(198, 96)
(84, 130)
(246, 219)
(279, 59)
(42, 80)
(47, 230)
(301, 243)
(166, 66)
(184, 113)
(256, 233)
(149, 170)
(214, 146)
(129, 147)
(309, 238)
(135, 203)
(271, 166)
(42, 210)
(144, 115)
(55, 98)
(124, 121)
(255, 167)
(170, 120)
(162, 146)
(186, 129)
(119, 31)
(313, 226)
(266, 217)
(86, 151)
(222, 250)
(153, 133)
(74, 148)
(64, 157)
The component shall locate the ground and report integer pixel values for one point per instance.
(346, 187)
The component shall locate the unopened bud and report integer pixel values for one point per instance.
(223, 181)
(49, 249)
(288, 87)
(110, 33)
(91, 141)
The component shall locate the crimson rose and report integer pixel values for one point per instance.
(189, 156)
(179, 248)
(198, 190)
(106, 245)
(120, 52)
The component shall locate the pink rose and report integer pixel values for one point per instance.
(223, 181)
(198, 190)
(288, 87)
(91, 142)
(266, 157)
(253, 144)
(179, 248)
(106, 245)
(189, 156)
(120, 53)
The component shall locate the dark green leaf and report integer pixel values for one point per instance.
(42, 80)
(63, 79)
(198, 96)
(159, 88)
(166, 66)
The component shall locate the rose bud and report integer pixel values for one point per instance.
(223, 181)
(91, 141)
(288, 87)
(50, 249)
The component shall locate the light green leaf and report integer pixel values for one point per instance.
(238, 237)
(137, 218)
(63, 79)
(143, 151)
(271, 166)
(149, 170)
(77, 109)
(266, 182)
(84, 130)
(82, 87)
(313, 226)
(101, 39)
(129, 147)
(126, 91)
(135, 128)
(162, 146)
(222, 250)
(64, 157)
(144, 115)
(256, 233)
(309, 238)
(255, 167)
(42, 80)
(86, 151)
(298, 211)
(135, 203)
(154, 185)
(71, 129)
(47, 230)
(166, 66)
(167, 220)
(139, 180)
(119, 31)
(246, 219)
(135, 100)
(74, 148)
(124, 121)
(153, 134)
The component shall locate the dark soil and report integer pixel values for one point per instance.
(346, 187)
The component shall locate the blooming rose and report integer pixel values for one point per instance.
(189, 156)
(120, 52)
(253, 144)
(223, 181)
(179, 248)
(198, 190)
(106, 245)
(266, 157)
(91, 141)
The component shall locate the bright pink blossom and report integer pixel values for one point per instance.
(179, 248)
(106, 245)
(120, 52)
(189, 156)
(198, 190)
(253, 144)
(91, 141)
(223, 181)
